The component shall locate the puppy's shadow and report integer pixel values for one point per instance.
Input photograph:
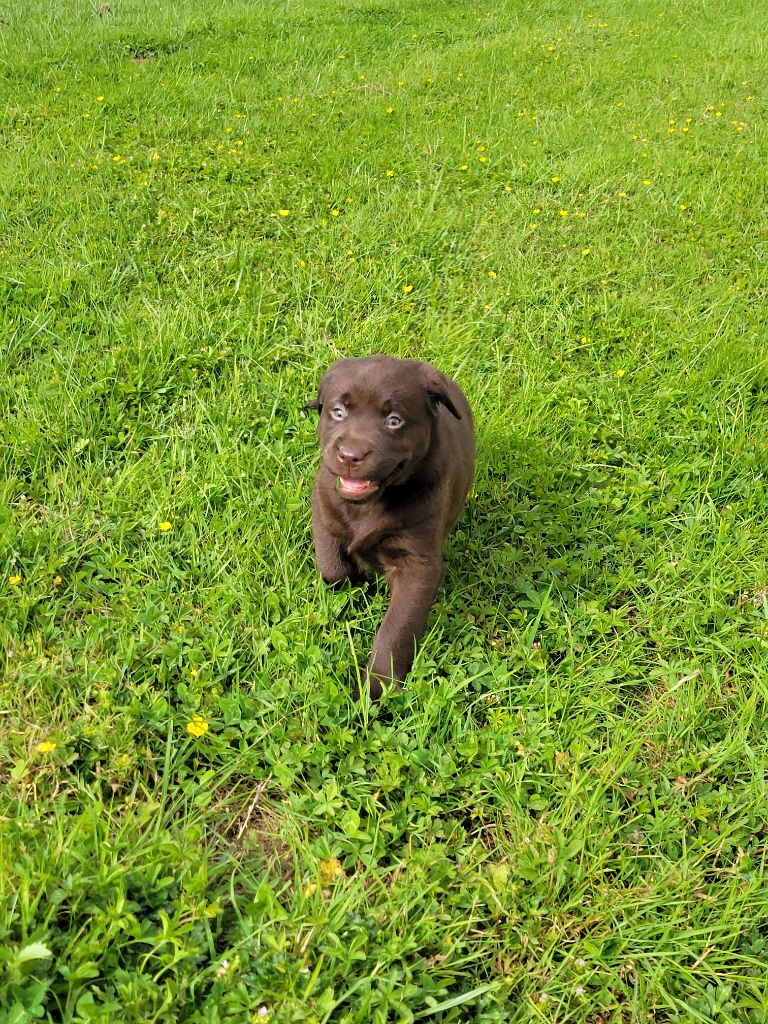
(531, 526)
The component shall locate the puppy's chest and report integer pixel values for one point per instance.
(375, 544)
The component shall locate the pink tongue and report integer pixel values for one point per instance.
(355, 486)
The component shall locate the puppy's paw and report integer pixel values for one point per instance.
(376, 685)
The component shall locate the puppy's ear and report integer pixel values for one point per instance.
(317, 403)
(436, 385)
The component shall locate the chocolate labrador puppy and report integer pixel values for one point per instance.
(397, 462)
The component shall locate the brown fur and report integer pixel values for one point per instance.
(419, 472)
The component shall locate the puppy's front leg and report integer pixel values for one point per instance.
(413, 590)
(332, 560)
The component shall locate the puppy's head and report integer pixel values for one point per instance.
(377, 417)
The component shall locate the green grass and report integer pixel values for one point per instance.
(563, 815)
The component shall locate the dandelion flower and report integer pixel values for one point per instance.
(563, 213)
(555, 178)
(390, 174)
(335, 213)
(408, 288)
(330, 870)
(585, 252)
(198, 726)
(46, 747)
(646, 181)
(165, 526)
(492, 274)
(14, 580)
(620, 373)
(390, 110)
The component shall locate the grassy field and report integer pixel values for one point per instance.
(563, 816)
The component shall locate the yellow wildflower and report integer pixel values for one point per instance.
(14, 580)
(46, 747)
(330, 870)
(198, 726)
(165, 526)
(408, 288)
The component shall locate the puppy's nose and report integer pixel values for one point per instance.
(350, 455)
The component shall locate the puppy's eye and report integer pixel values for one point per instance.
(338, 412)
(393, 420)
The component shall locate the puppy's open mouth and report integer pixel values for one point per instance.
(355, 490)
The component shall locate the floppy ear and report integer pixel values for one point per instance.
(436, 385)
(317, 403)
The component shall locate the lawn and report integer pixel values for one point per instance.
(563, 815)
